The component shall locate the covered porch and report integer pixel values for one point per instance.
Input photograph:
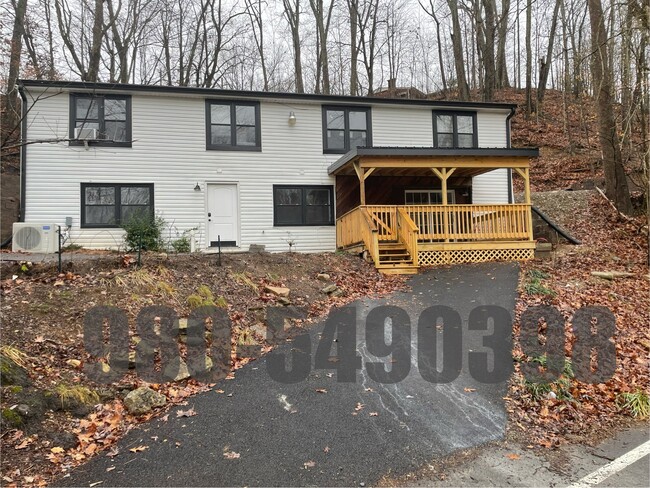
(413, 207)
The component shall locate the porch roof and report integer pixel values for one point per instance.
(395, 160)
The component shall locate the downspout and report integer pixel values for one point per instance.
(509, 145)
(23, 151)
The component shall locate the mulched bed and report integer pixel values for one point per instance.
(43, 316)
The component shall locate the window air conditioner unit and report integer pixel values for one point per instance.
(28, 237)
(85, 133)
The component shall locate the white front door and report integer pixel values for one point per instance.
(223, 215)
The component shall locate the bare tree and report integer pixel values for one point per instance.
(12, 112)
(368, 13)
(502, 30)
(129, 29)
(616, 186)
(292, 14)
(529, 58)
(545, 63)
(431, 12)
(457, 43)
(254, 10)
(353, 15)
(489, 36)
(322, 17)
(84, 49)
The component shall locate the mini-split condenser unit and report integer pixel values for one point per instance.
(29, 237)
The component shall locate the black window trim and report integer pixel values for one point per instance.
(100, 142)
(455, 113)
(233, 125)
(347, 109)
(329, 188)
(118, 203)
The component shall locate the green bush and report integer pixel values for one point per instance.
(182, 244)
(145, 231)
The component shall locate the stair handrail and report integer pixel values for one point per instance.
(370, 235)
(407, 234)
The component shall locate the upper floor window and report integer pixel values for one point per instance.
(233, 126)
(100, 119)
(454, 129)
(345, 128)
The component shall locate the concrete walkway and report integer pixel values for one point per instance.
(50, 258)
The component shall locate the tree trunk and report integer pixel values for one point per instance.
(457, 43)
(488, 54)
(354, 46)
(292, 14)
(440, 58)
(529, 59)
(323, 20)
(616, 186)
(12, 115)
(545, 64)
(96, 46)
(502, 66)
(432, 13)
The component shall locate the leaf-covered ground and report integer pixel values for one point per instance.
(43, 312)
(569, 410)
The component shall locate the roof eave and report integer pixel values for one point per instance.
(359, 152)
(180, 90)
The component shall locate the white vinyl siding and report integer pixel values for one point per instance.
(400, 127)
(169, 150)
(491, 187)
(492, 128)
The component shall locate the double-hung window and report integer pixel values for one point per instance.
(100, 119)
(303, 205)
(112, 204)
(454, 129)
(345, 128)
(233, 126)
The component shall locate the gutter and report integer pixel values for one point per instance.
(23, 151)
(511, 198)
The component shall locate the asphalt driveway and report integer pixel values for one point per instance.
(352, 434)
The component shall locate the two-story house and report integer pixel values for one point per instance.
(412, 182)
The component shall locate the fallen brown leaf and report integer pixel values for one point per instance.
(190, 412)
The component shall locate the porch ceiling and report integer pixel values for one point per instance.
(418, 161)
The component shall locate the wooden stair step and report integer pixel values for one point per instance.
(403, 269)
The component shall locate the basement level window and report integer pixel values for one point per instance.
(100, 120)
(303, 205)
(112, 204)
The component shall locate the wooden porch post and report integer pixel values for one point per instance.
(525, 174)
(362, 175)
(444, 174)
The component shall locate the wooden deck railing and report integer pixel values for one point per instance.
(411, 224)
(471, 222)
